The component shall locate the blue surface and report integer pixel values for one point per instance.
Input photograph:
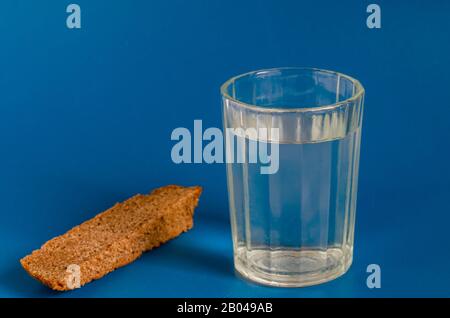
(86, 117)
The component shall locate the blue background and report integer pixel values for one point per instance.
(86, 117)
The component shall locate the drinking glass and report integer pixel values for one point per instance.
(292, 152)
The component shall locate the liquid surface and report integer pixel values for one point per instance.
(295, 227)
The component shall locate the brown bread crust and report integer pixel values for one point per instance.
(115, 237)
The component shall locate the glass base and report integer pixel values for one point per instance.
(292, 268)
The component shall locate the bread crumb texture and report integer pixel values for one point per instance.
(114, 237)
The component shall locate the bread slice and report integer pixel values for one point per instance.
(113, 238)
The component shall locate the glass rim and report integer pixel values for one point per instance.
(359, 91)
